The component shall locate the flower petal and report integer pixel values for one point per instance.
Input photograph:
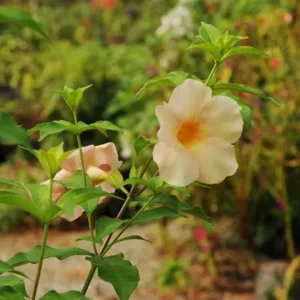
(169, 125)
(78, 210)
(216, 158)
(189, 99)
(107, 188)
(106, 155)
(223, 119)
(73, 163)
(176, 165)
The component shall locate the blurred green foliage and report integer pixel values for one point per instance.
(118, 47)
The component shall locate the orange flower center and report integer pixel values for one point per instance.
(189, 133)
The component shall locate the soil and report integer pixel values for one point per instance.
(238, 276)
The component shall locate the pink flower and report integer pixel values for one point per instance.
(99, 161)
(196, 135)
(275, 63)
(287, 17)
(200, 234)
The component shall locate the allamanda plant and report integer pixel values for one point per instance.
(198, 127)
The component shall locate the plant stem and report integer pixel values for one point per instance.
(212, 72)
(38, 274)
(128, 224)
(80, 149)
(92, 233)
(119, 216)
(79, 145)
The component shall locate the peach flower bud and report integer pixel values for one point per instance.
(99, 161)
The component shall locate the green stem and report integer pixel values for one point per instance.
(79, 145)
(119, 216)
(92, 233)
(128, 224)
(38, 274)
(212, 72)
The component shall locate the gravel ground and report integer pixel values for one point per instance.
(70, 273)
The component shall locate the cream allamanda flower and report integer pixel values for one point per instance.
(196, 135)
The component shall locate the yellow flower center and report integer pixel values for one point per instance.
(189, 133)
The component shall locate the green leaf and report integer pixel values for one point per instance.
(209, 33)
(53, 127)
(173, 202)
(75, 181)
(210, 48)
(170, 79)
(101, 126)
(7, 182)
(19, 201)
(9, 15)
(105, 226)
(243, 50)
(13, 133)
(73, 97)
(123, 276)
(6, 268)
(155, 214)
(132, 237)
(140, 143)
(8, 293)
(138, 180)
(14, 282)
(228, 41)
(32, 256)
(220, 87)
(40, 196)
(78, 196)
(74, 295)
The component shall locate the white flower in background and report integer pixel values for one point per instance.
(196, 134)
(177, 23)
(126, 150)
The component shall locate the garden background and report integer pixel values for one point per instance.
(117, 45)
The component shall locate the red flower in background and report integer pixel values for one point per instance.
(287, 17)
(275, 63)
(200, 234)
(108, 4)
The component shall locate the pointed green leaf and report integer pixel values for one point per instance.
(210, 48)
(123, 276)
(9, 15)
(7, 182)
(140, 143)
(14, 282)
(40, 196)
(8, 293)
(76, 181)
(74, 295)
(105, 226)
(221, 87)
(173, 202)
(53, 127)
(101, 126)
(243, 50)
(132, 237)
(6, 268)
(209, 33)
(32, 256)
(73, 97)
(19, 201)
(171, 79)
(155, 214)
(138, 180)
(78, 196)
(13, 133)
(230, 40)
